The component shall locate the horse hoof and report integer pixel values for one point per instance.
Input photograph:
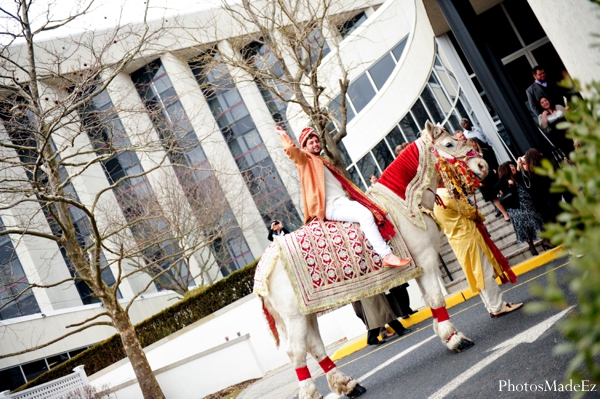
(357, 391)
(463, 345)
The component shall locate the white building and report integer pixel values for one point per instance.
(406, 66)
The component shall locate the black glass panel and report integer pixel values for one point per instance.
(34, 369)
(367, 167)
(349, 26)
(525, 21)
(420, 114)
(500, 35)
(395, 138)
(382, 70)
(399, 49)
(345, 157)
(434, 109)
(54, 361)
(409, 128)
(361, 91)
(11, 379)
(382, 154)
(355, 178)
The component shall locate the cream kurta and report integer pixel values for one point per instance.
(464, 238)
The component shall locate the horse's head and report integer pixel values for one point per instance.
(449, 147)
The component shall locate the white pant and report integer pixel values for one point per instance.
(491, 296)
(345, 210)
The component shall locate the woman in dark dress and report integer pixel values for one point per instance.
(525, 219)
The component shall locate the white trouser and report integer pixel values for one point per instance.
(345, 210)
(491, 295)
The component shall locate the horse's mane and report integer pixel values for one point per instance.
(401, 171)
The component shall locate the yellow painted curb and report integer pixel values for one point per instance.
(468, 294)
(539, 260)
(349, 349)
(453, 300)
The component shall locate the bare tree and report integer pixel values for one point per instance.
(280, 45)
(58, 125)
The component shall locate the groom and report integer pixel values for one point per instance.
(324, 195)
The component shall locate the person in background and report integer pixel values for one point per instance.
(473, 132)
(277, 230)
(487, 185)
(525, 219)
(552, 115)
(459, 135)
(545, 201)
(373, 179)
(376, 312)
(542, 88)
(400, 148)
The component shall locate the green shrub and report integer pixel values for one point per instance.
(579, 230)
(197, 304)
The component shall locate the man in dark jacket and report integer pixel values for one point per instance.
(542, 88)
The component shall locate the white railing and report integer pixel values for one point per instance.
(55, 389)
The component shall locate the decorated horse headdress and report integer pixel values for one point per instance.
(404, 181)
(455, 161)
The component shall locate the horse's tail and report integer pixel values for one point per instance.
(271, 321)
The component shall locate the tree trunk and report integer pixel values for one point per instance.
(137, 357)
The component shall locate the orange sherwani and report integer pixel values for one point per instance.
(312, 179)
(311, 170)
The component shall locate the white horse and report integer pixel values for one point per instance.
(422, 239)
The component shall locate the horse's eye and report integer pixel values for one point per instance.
(449, 145)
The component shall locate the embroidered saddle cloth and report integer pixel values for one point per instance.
(331, 264)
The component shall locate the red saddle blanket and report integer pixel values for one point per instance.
(331, 264)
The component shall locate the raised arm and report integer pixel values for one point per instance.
(291, 149)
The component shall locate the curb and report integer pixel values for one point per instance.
(453, 300)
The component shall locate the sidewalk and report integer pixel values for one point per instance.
(282, 383)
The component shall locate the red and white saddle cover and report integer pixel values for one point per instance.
(331, 264)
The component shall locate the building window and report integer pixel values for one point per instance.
(20, 132)
(382, 70)
(361, 91)
(317, 46)
(261, 57)
(13, 377)
(439, 103)
(191, 165)
(364, 88)
(350, 25)
(246, 146)
(134, 195)
(13, 282)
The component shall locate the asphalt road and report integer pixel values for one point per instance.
(509, 352)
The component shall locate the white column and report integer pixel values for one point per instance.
(217, 152)
(266, 127)
(466, 85)
(40, 258)
(141, 132)
(88, 184)
(572, 27)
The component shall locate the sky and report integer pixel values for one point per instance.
(103, 14)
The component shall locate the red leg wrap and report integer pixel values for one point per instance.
(303, 373)
(327, 364)
(441, 314)
(433, 313)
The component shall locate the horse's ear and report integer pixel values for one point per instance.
(429, 128)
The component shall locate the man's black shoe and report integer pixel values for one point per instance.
(376, 343)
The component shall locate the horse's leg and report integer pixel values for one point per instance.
(283, 301)
(338, 382)
(427, 258)
(297, 350)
